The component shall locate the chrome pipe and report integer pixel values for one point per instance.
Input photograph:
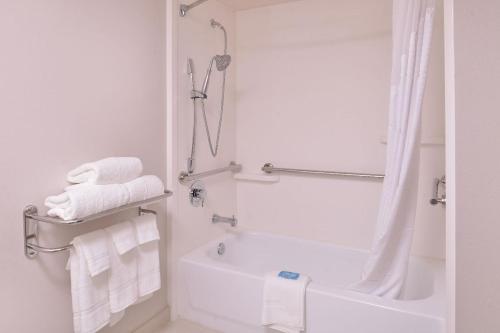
(42, 249)
(185, 177)
(185, 8)
(269, 168)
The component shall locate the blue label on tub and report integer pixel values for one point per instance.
(289, 275)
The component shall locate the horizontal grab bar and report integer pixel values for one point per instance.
(269, 168)
(185, 177)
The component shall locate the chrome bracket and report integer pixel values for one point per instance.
(30, 231)
(439, 197)
(183, 10)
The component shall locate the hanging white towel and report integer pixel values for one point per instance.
(84, 200)
(90, 299)
(112, 170)
(123, 236)
(93, 246)
(122, 283)
(283, 307)
(146, 228)
(148, 256)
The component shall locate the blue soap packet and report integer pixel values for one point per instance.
(288, 275)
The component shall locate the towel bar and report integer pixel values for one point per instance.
(31, 220)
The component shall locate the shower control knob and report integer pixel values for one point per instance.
(197, 194)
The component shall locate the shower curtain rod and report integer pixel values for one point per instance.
(185, 8)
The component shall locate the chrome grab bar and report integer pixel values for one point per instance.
(185, 177)
(269, 168)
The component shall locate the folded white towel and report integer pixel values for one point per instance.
(112, 170)
(122, 283)
(94, 249)
(87, 200)
(84, 200)
(90, 298)
(148, 255)
(145, 187)
(284, 302)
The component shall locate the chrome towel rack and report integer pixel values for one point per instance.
(269, 168)
(31, 220)
(185, 177)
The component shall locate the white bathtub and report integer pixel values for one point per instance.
(224, 292)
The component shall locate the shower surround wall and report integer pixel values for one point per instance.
(79, 80)
(313, 92)
(308, 87)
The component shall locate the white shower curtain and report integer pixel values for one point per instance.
(385, 271)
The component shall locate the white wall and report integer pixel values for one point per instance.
(191, 226)
(313, 91)
(477, 123)
(79, 80)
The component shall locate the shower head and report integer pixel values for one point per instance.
(222, 62)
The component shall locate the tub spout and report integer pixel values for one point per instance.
(221, 219)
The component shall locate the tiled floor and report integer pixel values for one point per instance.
(183, 326)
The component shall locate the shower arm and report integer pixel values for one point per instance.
(185, 8)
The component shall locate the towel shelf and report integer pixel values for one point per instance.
(31, 220)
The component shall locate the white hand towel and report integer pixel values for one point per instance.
(145, 187)
(87, 200)
(94, 249)
(112, 170)
(124, 237)
(146, 228)
(148, 255)
(122, 283)
(284, 303)
(90, 299)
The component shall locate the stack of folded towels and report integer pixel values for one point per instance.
(119, 266)
(102, 185)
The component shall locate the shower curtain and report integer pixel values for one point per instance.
(385, 271)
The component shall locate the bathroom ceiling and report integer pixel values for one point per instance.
(248, 4)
